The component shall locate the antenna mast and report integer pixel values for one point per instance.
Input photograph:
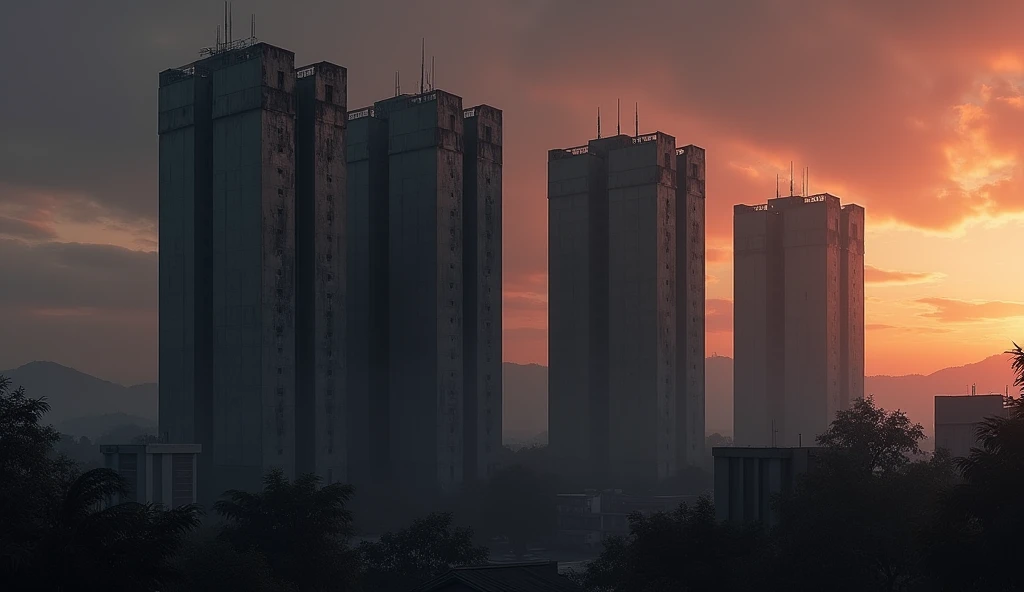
(618, 117)
(433, 81)
(423, 54)
(231, 21)
(791, 178)
(636, 118)
(776, 186)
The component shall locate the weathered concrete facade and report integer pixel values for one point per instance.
(254, 266)
(799, 310)
(321, 405)
(690, 302)
(186, 280)
(243, 301)
(577, 301)
(425, 216)
(618, 345)
(482, 285)
(642, 308)
(367, 234)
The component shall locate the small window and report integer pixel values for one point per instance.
(487, 133)
(280, 80)
(328, 93)
(694, 170)
(451, 120)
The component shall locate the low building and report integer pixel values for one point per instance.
(958, 417)
(587, 519)
(155, 473)
(746, 480)
(520, 577)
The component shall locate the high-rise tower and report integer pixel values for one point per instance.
(618, 343)
(252, 260)
(799, 317)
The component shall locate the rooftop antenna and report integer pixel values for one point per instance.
(776, 186)
(791, 178)
(218, 36)
(598, 123)
(808, 180)
(433, 83)
(618, 117)
(636, 118)
(423, 58)
(398, 82)
(252, 26)
(227, 34)
(231, 21)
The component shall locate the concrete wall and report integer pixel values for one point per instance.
(851, 307)
(641, 309)
(425, 188)
(748, 479)
(185, 183)
(754, 407)
(799, 307)
(253, 266)
(690, 305)
(367, 325)
(811, 243)
(957, 419)
(483, 288)
(576, 408)
(321, 294)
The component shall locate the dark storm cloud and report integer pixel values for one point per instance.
(71, 278)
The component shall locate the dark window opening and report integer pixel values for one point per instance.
(329, 93)
(487, 133)
(693, 170)
(280, 79)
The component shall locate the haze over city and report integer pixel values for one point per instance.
(913, 114)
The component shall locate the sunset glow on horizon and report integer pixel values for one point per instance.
(915, 114)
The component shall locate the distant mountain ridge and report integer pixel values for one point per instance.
(84, 405)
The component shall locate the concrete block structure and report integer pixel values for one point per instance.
(481, 280)
(747, 479)
(799, 317)
(367, 324)
(252, 265)
(958, 417)
(321, 416)
(690, 302)
(164, 474)
(641, 308)
(617, 343)
(426, 206)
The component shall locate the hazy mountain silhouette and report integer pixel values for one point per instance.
(83, 405)
(525, 396)
(87, 406)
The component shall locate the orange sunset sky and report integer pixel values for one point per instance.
(913, 109)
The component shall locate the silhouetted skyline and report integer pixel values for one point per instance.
(904, 125)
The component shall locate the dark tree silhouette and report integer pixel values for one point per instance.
(426, 549)
(521, 505)
(984, 516)
(683, 550)
(209, 564)
(302, 528)
(873, 438)
(56, 535)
